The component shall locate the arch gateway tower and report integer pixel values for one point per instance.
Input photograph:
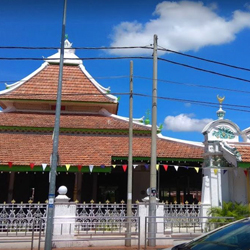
(226, 162)
(93, 145)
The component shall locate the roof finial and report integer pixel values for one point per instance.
(220, 99)
(220, 113)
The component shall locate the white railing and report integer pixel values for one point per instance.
(22, 215)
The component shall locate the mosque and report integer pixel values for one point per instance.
(93, 145)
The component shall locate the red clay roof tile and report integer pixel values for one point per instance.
(84, 121)
(76, 86)
(21, 148)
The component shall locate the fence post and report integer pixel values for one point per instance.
(64, 218)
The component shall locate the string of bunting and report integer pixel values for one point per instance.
(124, 167)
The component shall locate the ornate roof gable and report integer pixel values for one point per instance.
(78, 84)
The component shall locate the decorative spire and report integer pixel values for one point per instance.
(220, 113)
(147, 120)
(69, 55)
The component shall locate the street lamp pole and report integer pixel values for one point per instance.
(152, 196)
(52, 185)
(130, 159)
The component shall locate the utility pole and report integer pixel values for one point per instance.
(152, 196)
(130, 159)
(52, 185)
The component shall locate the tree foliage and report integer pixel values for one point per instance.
(229, 209)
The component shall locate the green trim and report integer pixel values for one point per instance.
(244, 164)
(54, 100)
(26, 128)
(73, 169)
(158, 159)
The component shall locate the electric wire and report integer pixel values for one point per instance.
(78, 48)
(145, 78)
(203, 103)
(204, 59)
(130, 57)
(79, 58)
(204, 70)
(161, 48)
(193, 85)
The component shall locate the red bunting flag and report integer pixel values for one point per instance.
(32, 165)
(124, 167)
(246, 172)
(165, 167)
(79, 167)
(10, 164)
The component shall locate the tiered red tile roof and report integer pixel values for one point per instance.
(24, 148)
(88, 137)
(244, 150)
(87, 121)
(43, 86)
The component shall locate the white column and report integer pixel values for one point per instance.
(143, 212)
(64, 219)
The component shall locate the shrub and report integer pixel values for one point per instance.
(228, 209)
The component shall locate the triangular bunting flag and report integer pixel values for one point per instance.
(79, 167)
(91, 168)
(102, 166)
(165, 167)
(135, 166)
(32, 165)
(113, 166)
(215, 171)
(197, 170)
(245, 172)
(146, 166)
(67, 166)
(10, 164)
(124, 167)
(157, 167)
(224, 171)
(176, 168)
(235, 172)
(44, 165)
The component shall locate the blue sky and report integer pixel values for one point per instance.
(218, 30)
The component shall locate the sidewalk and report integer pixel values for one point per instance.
(99, 248)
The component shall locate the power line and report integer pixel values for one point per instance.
(130, 57)
(128, 47)
(204, 59)
(75, 78)
(194, 85)
(78, 58)
(202, 103)
(210, 104)
(145, 78)
(78, 48)
(204, 70)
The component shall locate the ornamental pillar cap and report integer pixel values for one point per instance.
(220, 113)
(62, 197)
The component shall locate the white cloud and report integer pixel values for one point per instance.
(187, 104)
(180, 26)
(185, 122)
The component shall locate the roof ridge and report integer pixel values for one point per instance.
(102, 89)
(199, 144)
(11, 87)
(122, 118)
